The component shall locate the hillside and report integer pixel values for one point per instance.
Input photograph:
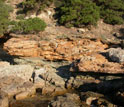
(61, 53)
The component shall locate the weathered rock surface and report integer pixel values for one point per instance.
(22, 71)
(53, 78)
(4, 63)
(68, 100)
(22, 47)
(116, 54)
(97, 63)
(13, 85)
(3, 99)
(48, 80)
(58, 49)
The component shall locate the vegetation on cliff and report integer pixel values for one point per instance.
(69, 13)
(37, 5)
(4, 14)
(78, 12)
(81, 12)
(112, 11)
(31, 25)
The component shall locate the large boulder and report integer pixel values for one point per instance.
(116, 54)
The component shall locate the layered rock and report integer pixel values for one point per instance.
(22, 47)
(58, 49)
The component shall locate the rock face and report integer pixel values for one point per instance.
(116, 54)
(96, 63)
(58, 49)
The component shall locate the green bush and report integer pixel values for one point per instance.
(4, 14)
(37, 5)
(112, 11)
(31, 25)
(78, 13)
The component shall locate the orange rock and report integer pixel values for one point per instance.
(59, 49)
(21, 47)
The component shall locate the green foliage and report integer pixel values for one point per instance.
(37, 5)
(112, 11)
(20, 16)
(78, 13)
(4, 14)
(31, 25)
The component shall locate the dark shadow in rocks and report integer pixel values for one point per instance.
(64, 71)
(98, 75)
(106, 55)
(122, 32)
(4, 56)
(108, 88)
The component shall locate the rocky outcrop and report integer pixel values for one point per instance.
(58, 49)
(96, 63)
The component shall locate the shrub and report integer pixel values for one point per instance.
(111, 11)
(31, 25)
(4, 14)
(37, 5)
(78, 13)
